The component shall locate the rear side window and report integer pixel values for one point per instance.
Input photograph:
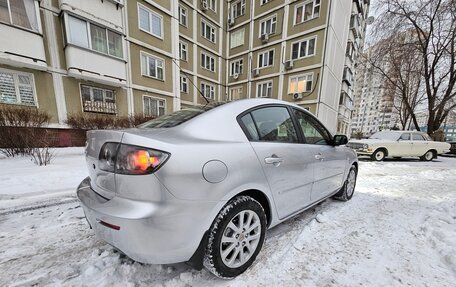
(250, 128)
(273, 124)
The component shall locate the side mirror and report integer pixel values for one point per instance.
(340, 140)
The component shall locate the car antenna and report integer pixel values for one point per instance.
(201, 93)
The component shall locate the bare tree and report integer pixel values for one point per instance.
(432, 24)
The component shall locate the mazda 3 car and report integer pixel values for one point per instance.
(203, 185)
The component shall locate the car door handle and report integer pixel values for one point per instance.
(273, 160)
(319, 156)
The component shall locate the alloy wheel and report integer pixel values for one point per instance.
(240, 238)
(351, 182)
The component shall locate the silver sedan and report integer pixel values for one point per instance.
(202, 185)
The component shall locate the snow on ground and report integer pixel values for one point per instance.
(22, 181)
(399, 229)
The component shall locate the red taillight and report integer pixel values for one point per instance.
(109, 225)
(131, 159)
(141, 160)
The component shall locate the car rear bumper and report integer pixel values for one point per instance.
(148, 232)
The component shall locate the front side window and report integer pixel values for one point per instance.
(150, 22)
(313, 131)
(300, 84)
(153, 107)
(208, 62)
(274, 124)
(237, 38)
(238, 8)
(183, 84)
(303, 49)
(208, 91)
(266, 59)
(98, 100)
(20, 13)
(207, 31)
(268, 26)
(17, 88)
(264, 90)
(236, 67)
(183, 16)
(417, 137)
(307, 11)
(101, 39)
(152, 66)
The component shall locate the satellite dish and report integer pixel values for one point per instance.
(370, 20)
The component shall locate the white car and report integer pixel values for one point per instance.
(399, 144)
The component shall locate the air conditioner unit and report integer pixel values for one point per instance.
(264, 38)
(204, 5)
(297, 96)
(289, 65)
(230, 21)
(255, 72)
(236, 76)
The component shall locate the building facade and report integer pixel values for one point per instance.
(119, 57)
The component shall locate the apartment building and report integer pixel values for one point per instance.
(374, 105)
(120, 57)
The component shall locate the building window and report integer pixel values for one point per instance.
(183, 84)
(266, 59)
(236, 67)
(268, 26)
(152, 66)
(22, 13)
(208, 62)
(262, 2)
(208, 91)
(307, 11)
(153, 107)
(303, 49)
(300, 84)
(212, 5)
(101, 39)
(237, 8)
(98, 100)
(183, 16)
(207, 31)
(264, 90)
(235, 94)
(350, 52)
(17, 88)
(237, 38)
(150, 22)
(183, 51)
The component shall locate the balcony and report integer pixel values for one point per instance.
(21, 33)
(86, 64)
(355, 25)
(109, 11)
(94, 52)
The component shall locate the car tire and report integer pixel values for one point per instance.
(428, 156)
(379, 155)
(231, 248)
(347, 190)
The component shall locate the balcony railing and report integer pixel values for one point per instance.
(100, 107)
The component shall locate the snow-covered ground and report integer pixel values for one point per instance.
(399, 229)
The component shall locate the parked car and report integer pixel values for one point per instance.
(202, 185)
(399, 144)
(452, 142)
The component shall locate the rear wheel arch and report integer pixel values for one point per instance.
(262, 198)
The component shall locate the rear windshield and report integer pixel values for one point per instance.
(179, 117)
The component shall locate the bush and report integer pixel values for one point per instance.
(20, 130)
(100, 122)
